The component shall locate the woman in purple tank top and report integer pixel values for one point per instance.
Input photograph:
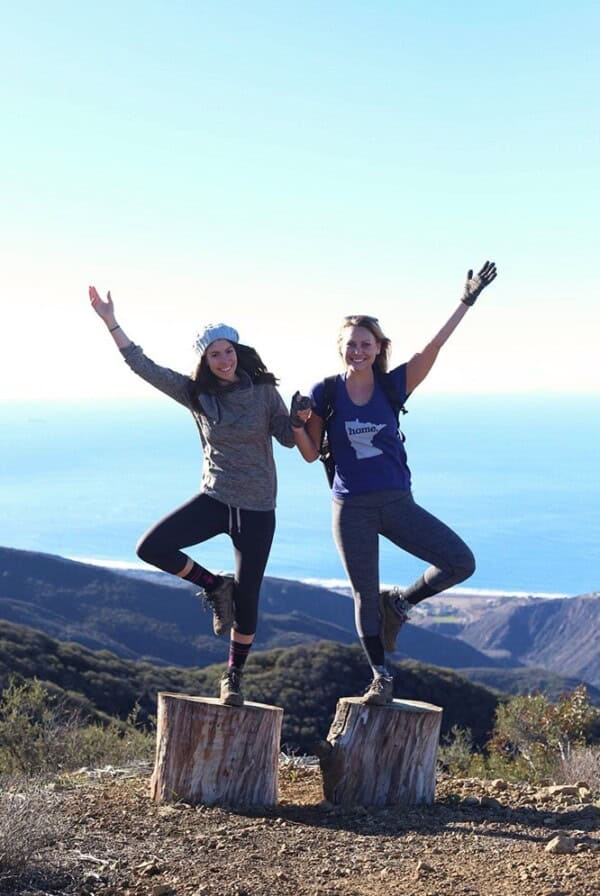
(371, 485)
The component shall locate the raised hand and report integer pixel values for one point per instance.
(475, 284)
(300, 409)
(104, 308)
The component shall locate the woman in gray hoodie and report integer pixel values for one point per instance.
(238, 410)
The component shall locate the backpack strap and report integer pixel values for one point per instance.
(389, 390)
(329, 384)
(325, 455)
(329, 397)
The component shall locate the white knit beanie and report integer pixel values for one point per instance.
(210, 333)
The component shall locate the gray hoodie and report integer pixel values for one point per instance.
(236, 430)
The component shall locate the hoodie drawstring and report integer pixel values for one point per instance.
(238, 519)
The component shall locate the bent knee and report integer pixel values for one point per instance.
(144, 550)
(467, 566)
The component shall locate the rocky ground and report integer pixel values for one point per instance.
(477, 838)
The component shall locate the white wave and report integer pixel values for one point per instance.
(342, 586)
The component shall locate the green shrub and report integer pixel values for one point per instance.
(41, 735)
(118, 743)
(533, 737)
(455, 754)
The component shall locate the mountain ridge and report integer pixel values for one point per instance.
(138, 619)
(559, 635)
(148, 616)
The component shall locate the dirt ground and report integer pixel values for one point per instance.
(476, 839)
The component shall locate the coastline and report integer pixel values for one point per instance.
(340, 586)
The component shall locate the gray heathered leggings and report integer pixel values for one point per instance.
(358, 522)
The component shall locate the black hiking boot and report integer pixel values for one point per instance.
(220, 600)
(231, 687)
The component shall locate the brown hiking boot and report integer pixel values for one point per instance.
(380, 691)
(220, 601)
(394, 613)
(231, 687)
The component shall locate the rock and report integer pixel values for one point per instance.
(166, 811)
(161, 889)
(422, 869)
(560, 845)
(560, 790)
(499, 784)
(150, 867)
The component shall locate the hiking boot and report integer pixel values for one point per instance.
(380, 691)
(394, 613)
(231, 687)
(220, 601)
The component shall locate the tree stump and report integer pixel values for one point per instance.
(214, 754)
(380, 755)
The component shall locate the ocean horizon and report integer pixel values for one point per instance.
(340, 585)
(516, 476)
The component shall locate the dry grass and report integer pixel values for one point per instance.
(582, 766)
(31, 821)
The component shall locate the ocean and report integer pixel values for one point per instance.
(516, 476)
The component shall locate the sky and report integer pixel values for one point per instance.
(277, 165)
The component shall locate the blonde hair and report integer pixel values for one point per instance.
(372, 325)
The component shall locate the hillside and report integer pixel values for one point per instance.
(305, 680)
(528, 680)
(513, 645)
(559, 635)
(158, 619)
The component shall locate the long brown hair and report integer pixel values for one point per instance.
(203, 379)
(372, 325)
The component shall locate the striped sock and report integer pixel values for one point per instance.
(238, 654)
(202, 577)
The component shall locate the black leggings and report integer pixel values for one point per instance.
(251, 532)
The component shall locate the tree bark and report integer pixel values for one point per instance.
(380, 755)
(214, 754)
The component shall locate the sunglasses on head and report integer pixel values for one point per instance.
(373, 320)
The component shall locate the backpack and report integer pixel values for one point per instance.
(325, 451)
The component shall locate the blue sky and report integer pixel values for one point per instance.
(278, 165)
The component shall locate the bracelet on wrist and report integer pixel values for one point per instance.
(112, 329)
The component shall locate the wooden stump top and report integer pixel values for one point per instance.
(214, 701)
(402, 705)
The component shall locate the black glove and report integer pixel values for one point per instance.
(476, 283)
(299, 403)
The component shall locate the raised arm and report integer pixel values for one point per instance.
(172, 383)
(105, 309)
(420, 364)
